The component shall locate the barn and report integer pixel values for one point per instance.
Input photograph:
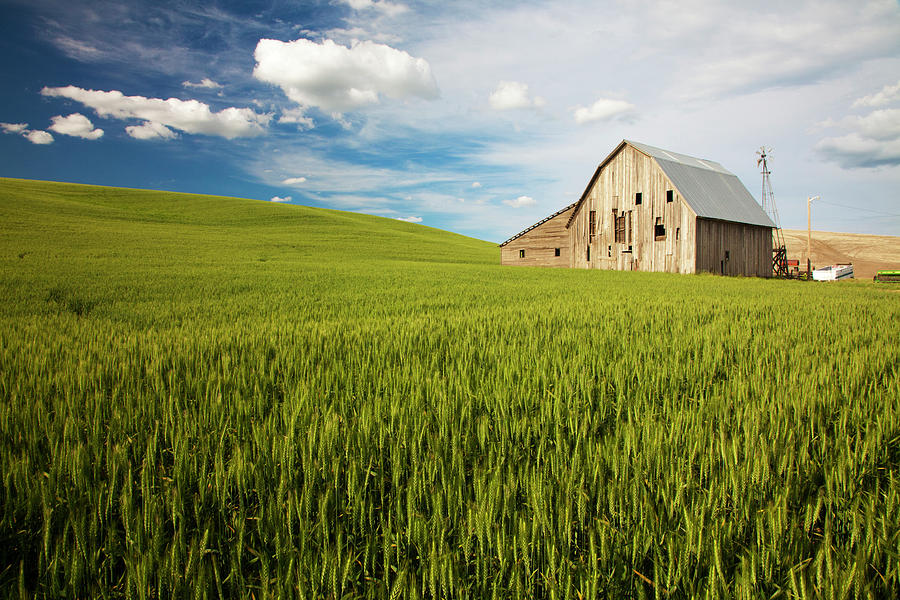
(648, 209)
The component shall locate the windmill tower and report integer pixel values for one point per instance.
(779, 252)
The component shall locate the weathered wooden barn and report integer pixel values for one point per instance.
(649, 209)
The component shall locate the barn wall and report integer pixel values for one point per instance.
(749, 248)
(628, 172)
(540, 244)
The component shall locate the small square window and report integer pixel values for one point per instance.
(670, 195)
(660, 229)
(638, 198)
(556, 252)
(522, 253)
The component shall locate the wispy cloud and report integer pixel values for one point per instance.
(383, 6)
(206, 82)
(293, 180)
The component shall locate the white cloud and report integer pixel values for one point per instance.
(510, 95)
(76, 125)
(35, 137)
(14, 127)
(150, 131)
(206, 82)
(38, 137)
(279, 199)
(476, 184)
(294, 180)
(389, 8)
(338, 79)
(190, 116)
(888, 94)
(410, 219)
(604, 109)
(298, 116)
(520, 202)
(77, 49)
(873, 140)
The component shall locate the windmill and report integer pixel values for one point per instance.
(779, 252)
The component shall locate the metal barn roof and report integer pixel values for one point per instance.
(710, 189)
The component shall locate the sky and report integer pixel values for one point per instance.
(474, 117)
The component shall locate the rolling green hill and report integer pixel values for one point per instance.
(219, 398)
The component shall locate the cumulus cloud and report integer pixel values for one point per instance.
(520, 202)
(873, 140)
(189, 116)
(389, 8)
(410, 219)
(279, 199)
(510, 95)
(206, 82)
(35, 137)
(888, 94)
(294, 180)
(76, 125)
(337, 78)
(14, 127)
(476, 184)
(38, 137)
(150, 131)
(297, 116)
(604, 109)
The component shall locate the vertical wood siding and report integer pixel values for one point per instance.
(628, 172)
(749, 248)
(540, 244)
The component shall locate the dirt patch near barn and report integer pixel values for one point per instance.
(867, 253)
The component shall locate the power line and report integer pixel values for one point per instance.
(878, 212)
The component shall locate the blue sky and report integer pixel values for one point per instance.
(475, 117)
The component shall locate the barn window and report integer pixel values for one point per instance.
(670, 195)
(609, 251)
(589, 253)
(556, 252)
(638, 198)
(677, 233)
(522, 253)
(660, 229)
(592, 224)
(620, 227)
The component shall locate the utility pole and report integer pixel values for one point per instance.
(809, 233)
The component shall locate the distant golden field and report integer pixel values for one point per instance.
(868, 253)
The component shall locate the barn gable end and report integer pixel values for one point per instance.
(544, 244)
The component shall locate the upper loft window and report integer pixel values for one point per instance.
(522, 253)
(638, 198)
(659, 231)
(670, 195)
(592, 224)
(556, 252)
